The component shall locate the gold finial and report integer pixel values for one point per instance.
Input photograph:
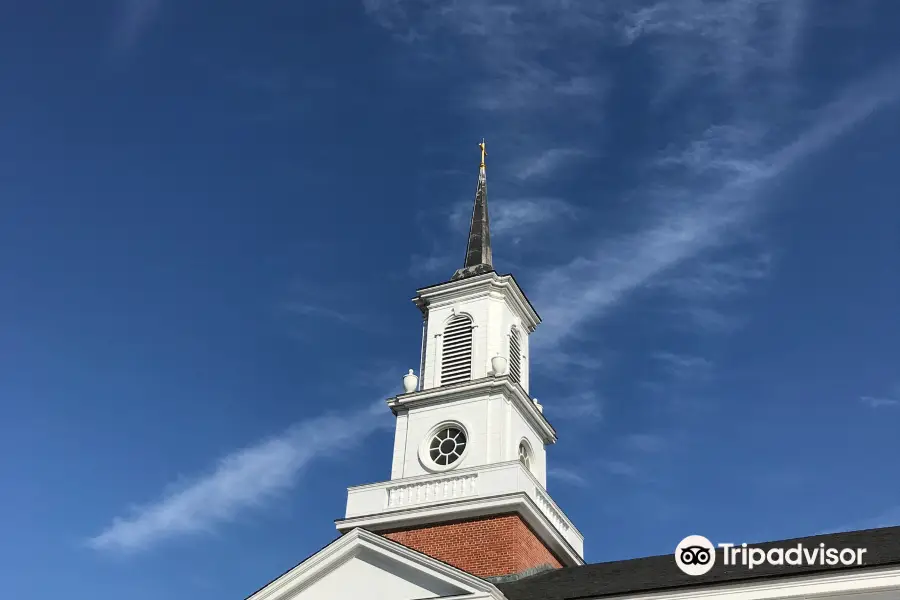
(483, 152)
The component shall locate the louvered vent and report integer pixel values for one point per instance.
(515, 355)
(456, 359)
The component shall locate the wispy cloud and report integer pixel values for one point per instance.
(525, 60)
(428, 265)
(518, 216)
(316, 311)
(567, 476)
(563, 362)
(890, 399)
(585, 407)
(547, 162)
(614, 467)
(241, 481)
(523, 86)
(879, 402)
(599, 281)
(684, 366)
(890, 517)
(645, 442)
(719, 279)
(692, 221)
(702, 290)
(725, 41)
(133, 21)
(541, 62)
(619, 468)
(707, 319)
(706, 187)
(515, 216)
(308, 301)
(505, 41)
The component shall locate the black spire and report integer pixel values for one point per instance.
(478, 249)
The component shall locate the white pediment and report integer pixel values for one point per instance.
(362, 565)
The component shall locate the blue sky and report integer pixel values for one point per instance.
(214, 216)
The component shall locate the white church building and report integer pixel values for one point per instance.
(466, 513)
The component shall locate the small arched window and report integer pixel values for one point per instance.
(525, 455)
(515, 355)
(456, 355)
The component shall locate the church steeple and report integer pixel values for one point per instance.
(478, 248)
(469, 468)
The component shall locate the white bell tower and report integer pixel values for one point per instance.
(470, 441)
(475, 375)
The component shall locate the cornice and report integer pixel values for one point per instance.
(475, 389)
(518, 502)
(477, 286)
(498, 466)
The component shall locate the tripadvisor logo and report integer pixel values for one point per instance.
(696, 555)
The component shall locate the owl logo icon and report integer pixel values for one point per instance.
(695, 555)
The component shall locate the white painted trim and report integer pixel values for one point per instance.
(860, 579)
(423, 452)
(455, 313)
(507, 431)
(437, 360)
(483, 285)
(426, 476)
(523, 441)
(350, 545)
(478, 388)
(489, 404)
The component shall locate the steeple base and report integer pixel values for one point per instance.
(495, 546)
(501, 495)
(472, 271)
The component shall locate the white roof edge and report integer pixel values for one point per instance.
(349, 545)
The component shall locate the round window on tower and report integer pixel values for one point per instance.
(525, 454)
(447, 446)
(444, 447)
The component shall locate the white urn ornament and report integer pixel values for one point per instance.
(498, 365)
(410, 382)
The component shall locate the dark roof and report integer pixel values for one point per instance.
(478, 248)
(657, 573)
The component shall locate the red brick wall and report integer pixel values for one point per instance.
(485, 547)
